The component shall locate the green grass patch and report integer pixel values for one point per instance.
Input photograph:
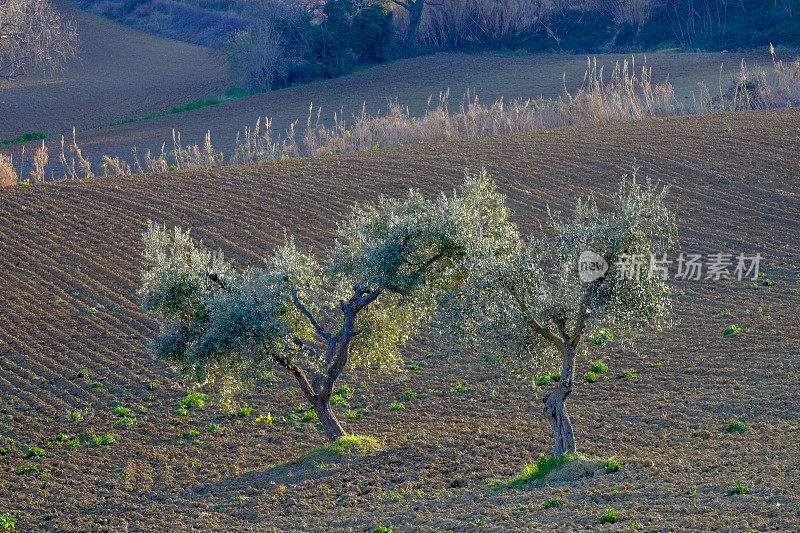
(348, 443)
(25, 137)
(629, 373)
(737, 489)
(590, 377)
(598, 367)
(197, 104)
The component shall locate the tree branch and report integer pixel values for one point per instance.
(319, 329)
(299, 375)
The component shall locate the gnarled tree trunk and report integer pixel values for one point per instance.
(554, 408)
(330, 425)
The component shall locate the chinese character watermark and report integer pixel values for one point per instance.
(695, 267)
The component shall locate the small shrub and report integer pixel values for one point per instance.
(734, 424)
(84, 373)
(382, 529)
(637, 526)
(610, 516)
(733, 329)
(590, 377)
(245, 411)
(396, 406)
(629, 373)
(598, 367)
(35, 451)
(737, 489)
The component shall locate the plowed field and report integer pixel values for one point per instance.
(69, 270)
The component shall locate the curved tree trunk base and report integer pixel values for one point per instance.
(555, 412)
(330, 425)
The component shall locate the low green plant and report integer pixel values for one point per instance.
(598, 367)
(97, 384)
(180, 411)
(460, 387)
(189, 434)
(194, 399)
(351, 414)
(737, 489)
(629, 373)
(733, 329)
(121, 411)
(382, 529)
(552, 503)
(308, 416)
(396, 406)
(34, 451)
(636, 526)
(28, 467)
(734, 424)
(264, 419)
(105, 440)
(83, 373)
(610, 516)
(409, 394)
(3, 451)
(124, 422)
(653, 365)
(590, 377)
(244, 411)
(9, 520)
(612, 466)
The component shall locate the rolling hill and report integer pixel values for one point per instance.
(69, 254)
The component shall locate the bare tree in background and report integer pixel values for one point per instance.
(414, 8)
(33, 36)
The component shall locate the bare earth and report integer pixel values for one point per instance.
(69, 254)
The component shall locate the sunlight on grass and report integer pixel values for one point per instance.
(347, 443)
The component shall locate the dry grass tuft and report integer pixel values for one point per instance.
(8, 176)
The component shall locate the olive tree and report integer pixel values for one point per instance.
(33, 35)
(375, 289)
(532, 302)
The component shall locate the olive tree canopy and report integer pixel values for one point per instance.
(375, 290)
(528, 305)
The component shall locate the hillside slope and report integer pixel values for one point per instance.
(69, 254)
(118, 73)
(411, 82)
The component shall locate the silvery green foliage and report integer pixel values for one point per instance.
(409, 250)
(513, 300)
(222, 324)
(217, 322)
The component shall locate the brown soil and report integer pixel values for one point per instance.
(69, 257)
